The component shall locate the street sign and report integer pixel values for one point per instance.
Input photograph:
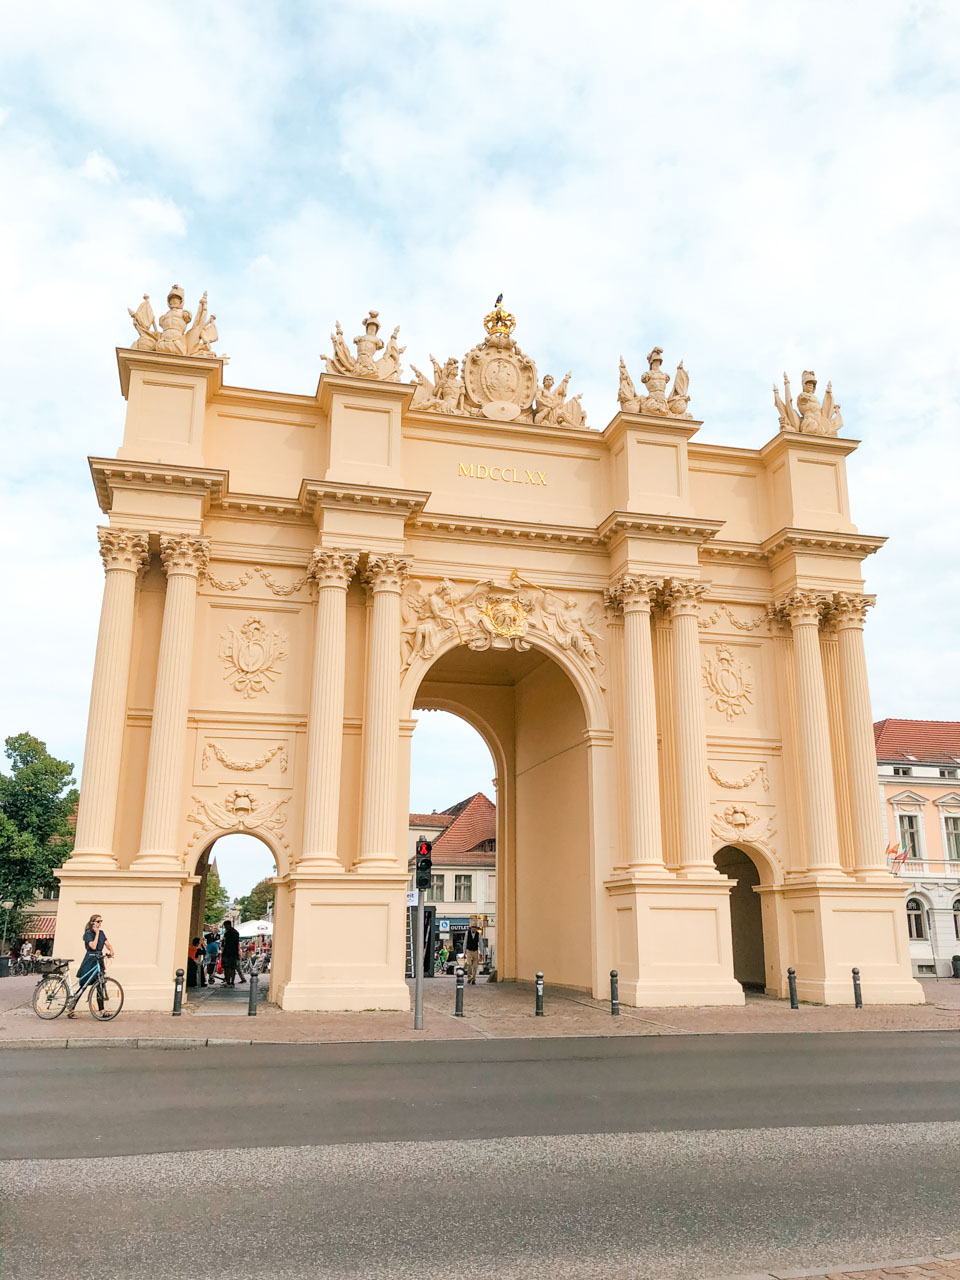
(444, 924)
(411, 897)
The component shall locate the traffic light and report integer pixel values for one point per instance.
(424, 864)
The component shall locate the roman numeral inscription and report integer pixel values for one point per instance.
(506, 475)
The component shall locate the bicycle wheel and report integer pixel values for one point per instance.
(50, 997)
(110, 992)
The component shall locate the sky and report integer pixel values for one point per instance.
(753, 187)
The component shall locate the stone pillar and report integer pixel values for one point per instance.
(332, 571)
(644, 851)
(185, 558)
(868, 848)
(385, 578)
(816, 763)
(124, 555)
(696, 857)
(663, 674)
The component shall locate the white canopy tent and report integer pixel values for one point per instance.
(255, 929)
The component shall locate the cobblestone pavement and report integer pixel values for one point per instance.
(931, 1268)
(491, 1011)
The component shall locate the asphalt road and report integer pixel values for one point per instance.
(666, 1157)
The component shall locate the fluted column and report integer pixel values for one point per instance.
(185, 557)
(849, 613)
(816, 761)
(634, 595)
(385, 578)
(332, 571)
(696, 855)
(124, 554)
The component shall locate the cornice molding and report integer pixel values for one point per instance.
(853, 546)
(497, 530)
(320, 494)
(111, 474)
(620, 524)
(162, 363)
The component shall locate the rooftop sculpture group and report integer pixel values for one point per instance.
(496, 379)
(173, 337)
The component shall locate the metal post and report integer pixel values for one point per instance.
(792, 983)
(458, 1010)
(418, 964)
(857, 993)
(252, 999)
(8, 907)
(178, 993)
(614, 994)
(539, 1010)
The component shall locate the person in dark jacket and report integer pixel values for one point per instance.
(230, 954)
(472, 951)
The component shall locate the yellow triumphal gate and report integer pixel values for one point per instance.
(660, 641)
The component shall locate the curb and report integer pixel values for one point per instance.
(852, 1269)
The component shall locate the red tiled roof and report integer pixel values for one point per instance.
(430, 819)
(923, 741)
(475, 821)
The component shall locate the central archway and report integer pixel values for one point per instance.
(530, 714)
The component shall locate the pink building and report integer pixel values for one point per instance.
(919, 771)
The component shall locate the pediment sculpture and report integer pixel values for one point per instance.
(657, 401)
(365, 363)
(808, 414)
(737, 822)
(492, 616)
(445, 394)
(242, 809)
(179, 332)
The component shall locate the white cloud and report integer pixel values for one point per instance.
(706, 177)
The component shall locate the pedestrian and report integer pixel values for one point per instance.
(472, 949)
(212, 952)
(230, 955)
(94, 944)
(196, 955)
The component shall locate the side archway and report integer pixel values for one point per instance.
(752, 915)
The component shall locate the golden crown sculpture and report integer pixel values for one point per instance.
(498, 320)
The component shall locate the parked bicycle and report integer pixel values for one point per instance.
(55, 992)
(24, 965)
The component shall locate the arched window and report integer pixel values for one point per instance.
(956, 918)
(916, 923)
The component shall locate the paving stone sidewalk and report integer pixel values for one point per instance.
(492, 1011)
(947, 1268)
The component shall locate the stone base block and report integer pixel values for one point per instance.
(672, 941)
(340, 997)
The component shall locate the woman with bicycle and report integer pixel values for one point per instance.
(94, 945)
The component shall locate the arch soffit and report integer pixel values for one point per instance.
(279, 854)
(771, 873)
(587, 686)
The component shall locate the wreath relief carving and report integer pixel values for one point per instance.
(250, 654)
(728, 689)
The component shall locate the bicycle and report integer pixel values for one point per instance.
(54, 992)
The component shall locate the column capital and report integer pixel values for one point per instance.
(801, 608)
(386, 573)
(331, 567)
(184, 553)
(848, 609)
(633, 593)
(682, 597)
(123, 549)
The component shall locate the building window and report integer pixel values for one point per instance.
(910, 834)
(926, 968)
(916, 924)
(491, 888)
(956, 918)
(902, 771)
(951, 836)
(950, 773)
(463, 889)
(435, 892)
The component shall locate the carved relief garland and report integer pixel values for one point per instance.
(728, 689)
(250, 654)
(738, 784)
(244, 766)
(278, 588)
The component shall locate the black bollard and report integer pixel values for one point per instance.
(178, 993)
(792, 984)
(857, 993)
(539, 1010)
(458, 1010)
(252, 998)
(614, 994)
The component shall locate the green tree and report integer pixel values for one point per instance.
(217, 899)
(37, 801)
(255, 904)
